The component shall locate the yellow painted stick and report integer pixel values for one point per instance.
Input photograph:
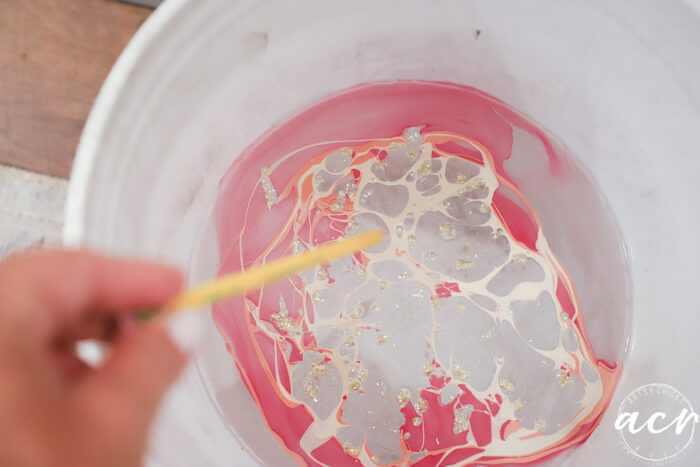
(238, 283)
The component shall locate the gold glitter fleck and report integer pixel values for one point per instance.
(487, 335)
(403, 275)
(424, 169)
(355, 384)
(352, 450)
(282, 320)
(520, 257)
(463, 264)
(358, 372)
(506, 385)
(383, 285)
(428, 368)
(564, 381)
(461, 178)
(338, 204)
(475, 183)
(319, 369)
(459, 373)
(483, 208)
(540, 425)
(411, 238)
(358, 311)
(316, 296)
(381, 163)
(346, 151)
(413, 135)
(297, 247)
(406, 435)
(462, 417)
(403, 397)
(417, 421)
(268, 188)
(447, 231)
(421, 405)
(399, 230)
(382, 339)
(518, 405)
(285, 323)
(430, 255)
(322, 275)
(499, 360)
(311, 389)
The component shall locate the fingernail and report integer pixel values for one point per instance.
(92, 352)
(186, 329)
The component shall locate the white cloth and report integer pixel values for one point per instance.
(31, 209)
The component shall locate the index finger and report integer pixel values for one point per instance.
(62, 284)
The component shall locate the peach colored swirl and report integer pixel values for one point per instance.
(457, 340)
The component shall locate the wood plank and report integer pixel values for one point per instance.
(54, 56)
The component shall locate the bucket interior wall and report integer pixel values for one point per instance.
(201, 82)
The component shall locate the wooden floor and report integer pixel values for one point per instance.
(54, 56)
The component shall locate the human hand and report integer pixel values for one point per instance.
(54, 409)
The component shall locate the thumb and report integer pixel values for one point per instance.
(143, 364)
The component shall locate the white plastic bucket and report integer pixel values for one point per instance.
(616, 83)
